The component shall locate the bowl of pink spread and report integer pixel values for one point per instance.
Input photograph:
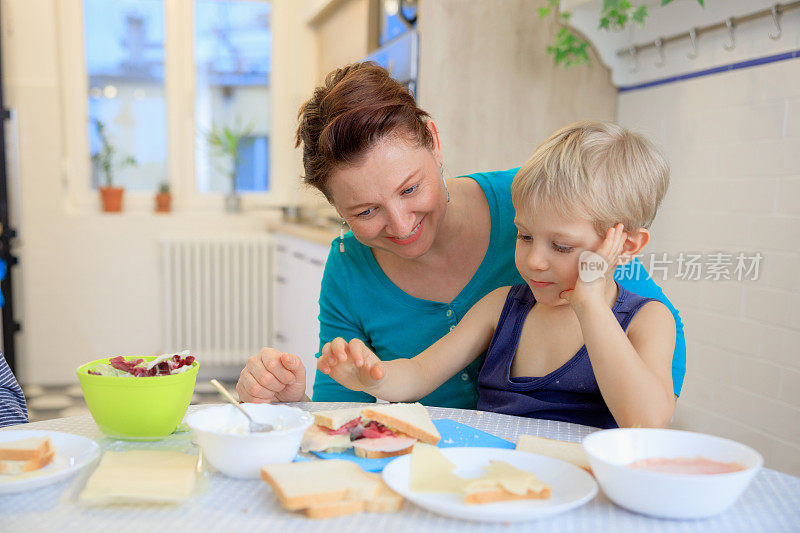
(670, 473)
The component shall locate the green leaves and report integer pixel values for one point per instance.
(639, 15)
(104, 158)
(227, 141)
(569, 48)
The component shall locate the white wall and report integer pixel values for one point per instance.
(88, 283)
(733, 140)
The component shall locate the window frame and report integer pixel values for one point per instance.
(180, 79)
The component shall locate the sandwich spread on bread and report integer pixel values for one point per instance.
(26, 455)
(381, 430)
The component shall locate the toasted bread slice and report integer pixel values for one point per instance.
(18, 467)
(333, 509)
(387, 500)
(302, 485)
(411, 419)
(503, 481)
(336, 418)
(25, 449)
(499, 494)
(383, 447)
(571, 452)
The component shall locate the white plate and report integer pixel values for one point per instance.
(571, 486)
(72, 454)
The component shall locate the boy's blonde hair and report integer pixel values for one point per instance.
(595, 171)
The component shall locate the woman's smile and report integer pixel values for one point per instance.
(413, 236)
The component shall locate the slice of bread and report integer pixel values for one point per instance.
(307, 484)
(334, 509)
(336, 418)
(25, 449)
(502, 481)
(18, 467)
(411, 419)
(571, 452)
(317, 440)
(383, 447)
(387, 500)
(499, 494)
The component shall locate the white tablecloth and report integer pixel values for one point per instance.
(770, 504)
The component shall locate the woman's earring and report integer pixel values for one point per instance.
(341, 237)
(441, 169)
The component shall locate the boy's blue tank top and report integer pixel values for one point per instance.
(569, 393)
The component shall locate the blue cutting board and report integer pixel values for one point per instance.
(453, 435)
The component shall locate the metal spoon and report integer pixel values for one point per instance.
(255, 427)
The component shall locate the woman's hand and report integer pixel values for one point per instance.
(272, 376)
(588, 287)
(352, 364)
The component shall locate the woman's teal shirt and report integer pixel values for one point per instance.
(358, 300)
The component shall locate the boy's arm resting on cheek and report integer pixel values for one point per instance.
(404, 380)
(633, 370)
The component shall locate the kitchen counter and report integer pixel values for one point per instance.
(317, 234)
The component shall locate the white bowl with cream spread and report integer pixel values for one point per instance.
(663, 492)
(224, 436)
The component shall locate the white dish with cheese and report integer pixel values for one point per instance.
(570, 486)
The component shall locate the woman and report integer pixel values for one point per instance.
(422, 249)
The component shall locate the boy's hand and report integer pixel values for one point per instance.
(590, 284)
(351, 363)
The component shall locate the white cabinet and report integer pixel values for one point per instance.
(297, 266)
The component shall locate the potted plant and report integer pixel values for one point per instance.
(104, 159)
(228, 141)
(163, 198)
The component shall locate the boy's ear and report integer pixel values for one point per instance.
(637, 239)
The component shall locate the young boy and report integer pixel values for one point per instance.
(13, 409)
(571, 344)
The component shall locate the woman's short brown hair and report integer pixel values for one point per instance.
(357, 106)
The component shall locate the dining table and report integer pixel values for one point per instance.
(771, 503)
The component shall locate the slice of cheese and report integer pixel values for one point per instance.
(507, 476)
(316, 439)
(141, 476)
(431, 471)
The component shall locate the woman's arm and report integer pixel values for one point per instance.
(355, 366)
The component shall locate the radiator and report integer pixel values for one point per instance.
(216, 296)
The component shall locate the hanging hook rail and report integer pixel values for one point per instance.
(775, 12)
(776, 18)
(731, 44)
(693, 39)
(660, 47)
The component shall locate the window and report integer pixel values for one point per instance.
(124, 43)
(148, 81)
(232, 57)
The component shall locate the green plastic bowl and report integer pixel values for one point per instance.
(137, 407)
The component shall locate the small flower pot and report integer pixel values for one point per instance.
(112, 199)
(163, 202)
